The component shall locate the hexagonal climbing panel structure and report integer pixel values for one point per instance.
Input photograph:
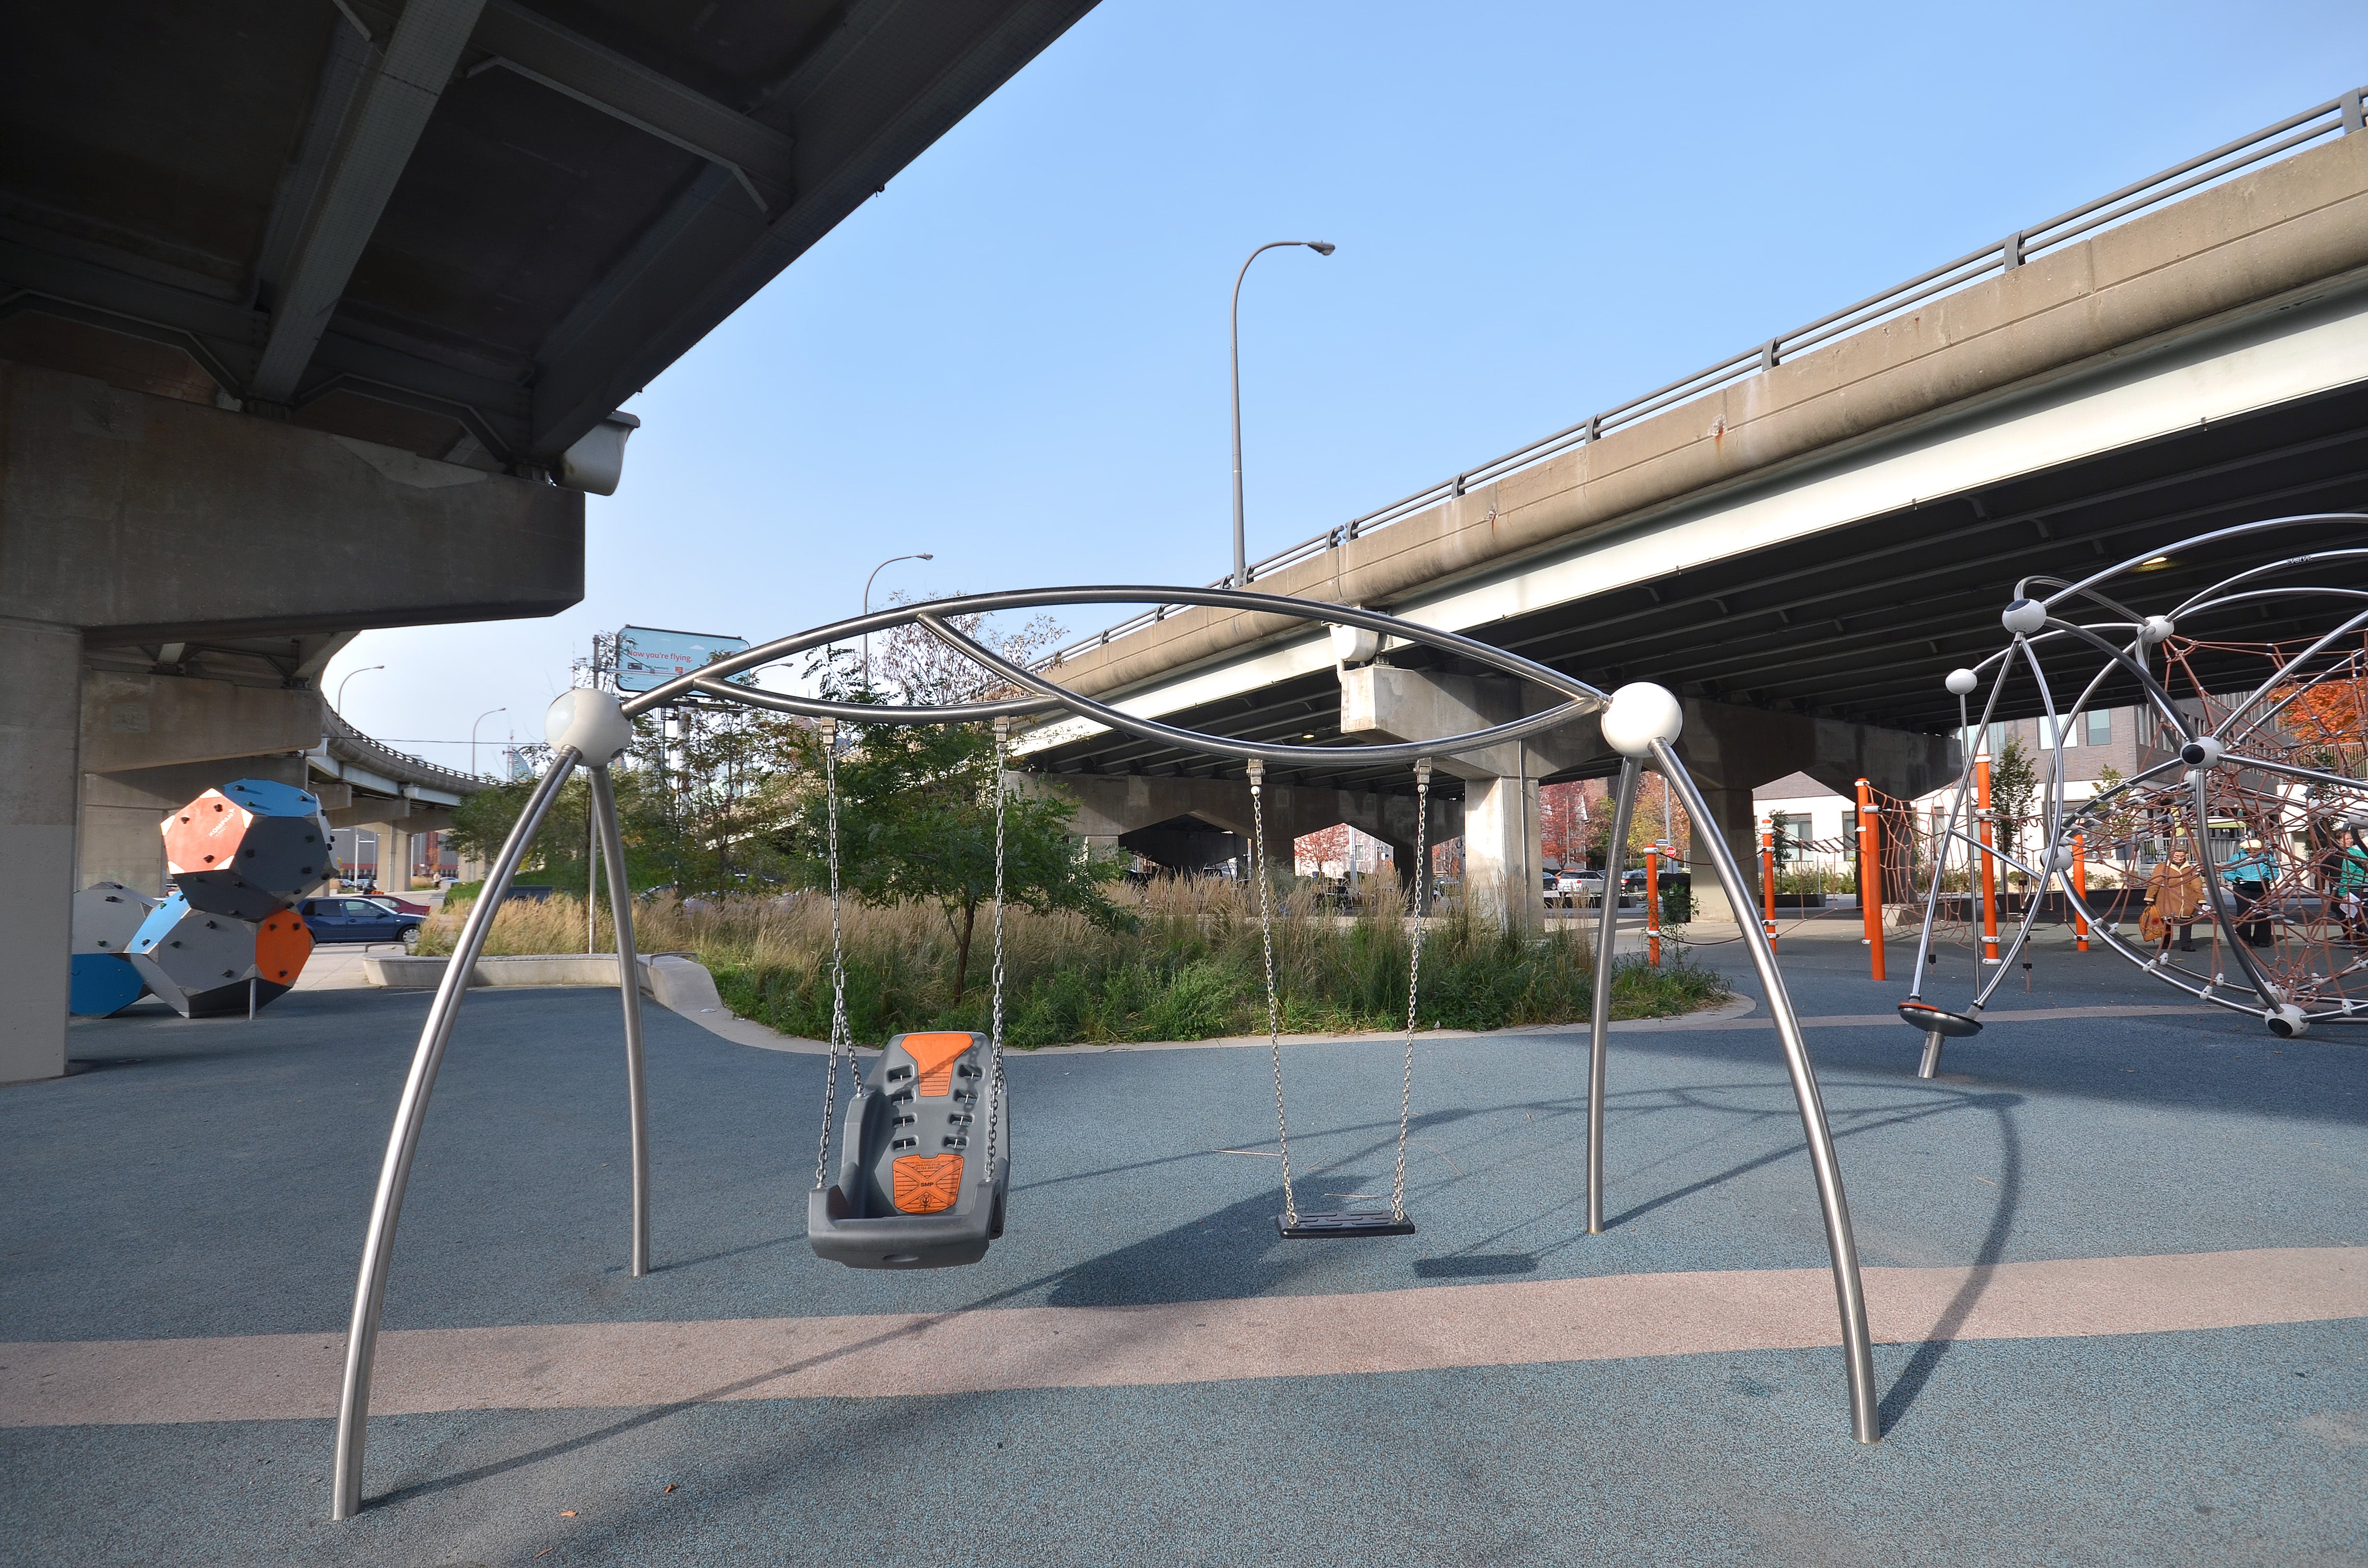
(248, 848)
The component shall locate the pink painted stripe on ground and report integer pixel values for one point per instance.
(568, 1366)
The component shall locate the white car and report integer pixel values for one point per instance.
(1574, 887)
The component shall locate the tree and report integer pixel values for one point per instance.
(916, 821)
(2012, 781)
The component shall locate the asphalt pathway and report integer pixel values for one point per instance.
(203, 1184)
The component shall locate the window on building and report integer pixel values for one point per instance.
(1793, 829)
(2100, 727)
(1998, 739)
(2046, 733)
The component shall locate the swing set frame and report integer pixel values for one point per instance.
(590, 730)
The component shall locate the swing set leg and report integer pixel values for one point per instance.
(1824, 1164)
(1632, 774)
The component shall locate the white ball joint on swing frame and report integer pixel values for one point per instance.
(592, 728)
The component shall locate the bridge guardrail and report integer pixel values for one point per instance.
(2338, 116)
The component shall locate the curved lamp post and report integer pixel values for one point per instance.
(349, 676)
(891, 561)
(472, 739)
(1241, 558)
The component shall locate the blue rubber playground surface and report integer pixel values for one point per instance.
(200, 1187)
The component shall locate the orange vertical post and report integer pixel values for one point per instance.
(1767, 882)
(2080, 886)
(1653, 904)
(1988, 830)
(1869, 876)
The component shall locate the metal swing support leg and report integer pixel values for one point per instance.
(386, 1207)
(1849, 1290)
(1606, 941)
(628, 986)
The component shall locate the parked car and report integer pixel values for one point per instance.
(1577, 886)
(348, 919)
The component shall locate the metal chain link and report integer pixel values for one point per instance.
(1413, 973)
(1273, 998)
(993, 1108)
(828, 731)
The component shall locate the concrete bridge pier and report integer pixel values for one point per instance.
(1191, 824)
(40, 743)
(1731, 749)
(157, 548)
(1502, 858)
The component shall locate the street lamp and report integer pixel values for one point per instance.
(472, 739)
(349, 676)
(1241, 557)
(891, 561)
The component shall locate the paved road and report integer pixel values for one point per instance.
(2118, 1251)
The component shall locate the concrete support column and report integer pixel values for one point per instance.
(1502, 857)
(40, 734)
(1501, 851)
(1736, 820)
(393, 859)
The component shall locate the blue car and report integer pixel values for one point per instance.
(350, 919)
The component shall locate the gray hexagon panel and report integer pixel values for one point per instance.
(198, 961)
(106, 915)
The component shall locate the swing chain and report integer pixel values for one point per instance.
(1413, 974)
(1273, 998)
(827, 730)
(992, 1105)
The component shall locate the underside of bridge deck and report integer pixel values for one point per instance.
(1861, 622)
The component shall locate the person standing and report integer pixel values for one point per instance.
(2347, 882)
(2249, 876)
(2175, 892)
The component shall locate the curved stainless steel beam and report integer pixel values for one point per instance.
(1044, 598)
(1152, 730)
(1632, 774)
(628, 986)
(871, 713)
(1824, 1164)
(402, 1143)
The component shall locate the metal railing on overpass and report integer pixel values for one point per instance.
(2338, 117)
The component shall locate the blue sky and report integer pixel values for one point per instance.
(1016, 357)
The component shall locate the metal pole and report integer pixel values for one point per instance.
(1652, 905)
(1241, 555)
(488, 713)
(1984, 820)
(1632, 773)
(591, 880)
(386, 1207)
(1849, 1291)
(891, 561)
(629, 984)
(2080, 887)
(1870, 875)
(1767, 883)
(349, 676)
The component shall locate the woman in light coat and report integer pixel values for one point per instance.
(2175, 892)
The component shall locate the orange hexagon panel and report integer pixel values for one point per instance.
(282, 943)
(204, 836)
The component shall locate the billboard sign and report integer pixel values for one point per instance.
(648, 657)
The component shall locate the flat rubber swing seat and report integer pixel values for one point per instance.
(1343, 1224)
(1940, 1020)
(914, 1190)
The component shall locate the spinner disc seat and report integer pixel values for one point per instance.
(914, 1189)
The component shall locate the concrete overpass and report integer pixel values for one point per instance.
(1803, 539)
(316, 316)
